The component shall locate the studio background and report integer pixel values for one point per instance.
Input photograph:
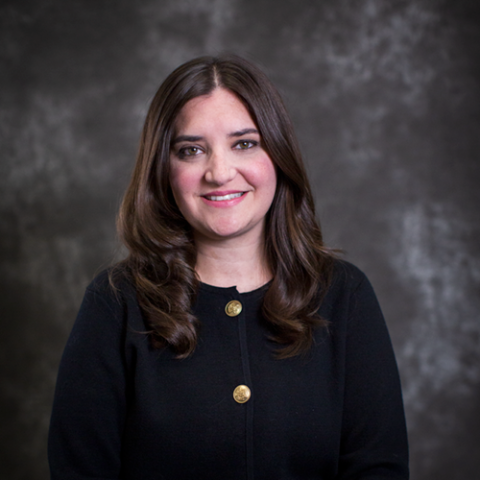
(385, 97)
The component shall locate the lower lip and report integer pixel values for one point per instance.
(224, 203)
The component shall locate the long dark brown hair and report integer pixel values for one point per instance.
(162, 253)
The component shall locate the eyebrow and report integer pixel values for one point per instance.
(240, 133)
(191, 138)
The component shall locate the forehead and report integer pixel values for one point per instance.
(221, 108)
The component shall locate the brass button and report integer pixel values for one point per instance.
(242, 394)
(233, 308)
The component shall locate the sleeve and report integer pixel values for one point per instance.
(89, 406)
(374, 438)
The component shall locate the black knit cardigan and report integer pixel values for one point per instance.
(124, 410)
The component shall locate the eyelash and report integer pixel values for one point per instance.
(182, 152)
(252, 143)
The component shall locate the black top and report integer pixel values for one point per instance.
(124, 410)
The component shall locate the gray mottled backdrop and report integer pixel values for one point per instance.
(385, 96)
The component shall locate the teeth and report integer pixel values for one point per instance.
(224, 197)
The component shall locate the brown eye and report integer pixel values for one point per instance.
(188, 152)
(245, 144)
(191, 150)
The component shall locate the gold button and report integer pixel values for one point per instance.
(242, 394)
(233, 308)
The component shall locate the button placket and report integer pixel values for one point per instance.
(242, 393)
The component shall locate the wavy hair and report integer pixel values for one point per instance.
(162, 254)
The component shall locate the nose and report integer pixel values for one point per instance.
(220, 170)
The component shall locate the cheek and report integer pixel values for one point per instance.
(264, 176)
(182, 182)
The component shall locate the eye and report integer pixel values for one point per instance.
(188, 151)
(245, 144)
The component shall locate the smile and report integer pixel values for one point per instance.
(231, 196)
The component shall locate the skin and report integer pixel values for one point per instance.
(223, 183)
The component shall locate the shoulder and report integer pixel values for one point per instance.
(113, 285)
(349, 290)
(110, 298)
(346, 276)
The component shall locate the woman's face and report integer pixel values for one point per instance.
(222, 180)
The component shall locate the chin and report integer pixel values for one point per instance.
(224, 232)
(229, 228)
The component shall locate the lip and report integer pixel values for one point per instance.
(224, 203)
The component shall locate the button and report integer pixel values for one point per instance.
(242, 394)
(233, 308)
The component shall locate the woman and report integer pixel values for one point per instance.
(230, 343)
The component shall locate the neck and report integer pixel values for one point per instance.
(232, 263)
